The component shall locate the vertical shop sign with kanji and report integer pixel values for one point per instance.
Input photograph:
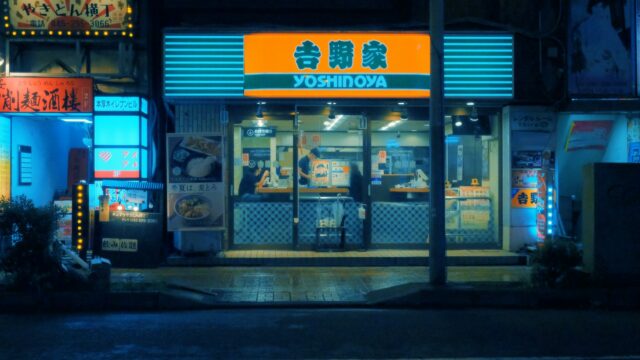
(46, 95)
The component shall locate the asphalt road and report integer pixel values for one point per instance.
(322, 333)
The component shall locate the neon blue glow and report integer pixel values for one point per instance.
(477, 51)
(189, 50)
(205, 75)
(205, 94)
(461, 44)
(478, 56)
(550, 214)
(116, 104)
(466, 76)
(550, 190)
(549, 232)
(203, 88)
(477, 63)
(204, 82)
(494, 95)
(477, 88)
(204, 69)
(143, 164)
(477, 69)
(144, 131)
(550, 207)
(110, 130)
(204, 62)
(204, 56)
(464, 37)
(204, 36)
(549, 223)
(203, 43)
(550, 198)
(488, 82)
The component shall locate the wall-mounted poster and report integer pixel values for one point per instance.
(195, 183)
(585, 135)
(599, 48)
(340, 173)
(524, 178)
(320, 173)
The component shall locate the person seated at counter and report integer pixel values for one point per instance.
(355, 183)
(304, 166)
(250, 181)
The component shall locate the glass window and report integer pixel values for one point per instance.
(331, 187)
(399, 177)
(262, 175)
(472, 155)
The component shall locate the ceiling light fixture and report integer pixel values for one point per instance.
(458, 122)
(404, 115)
(474, 114)
(470, 103)
(77, 120)
(259, 114)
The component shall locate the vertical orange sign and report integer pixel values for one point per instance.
(346, 65)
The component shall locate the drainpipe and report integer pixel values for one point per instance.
(437, 239)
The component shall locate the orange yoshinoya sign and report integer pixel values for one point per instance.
(348, 65)
(46, 95)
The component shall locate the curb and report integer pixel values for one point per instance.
(416, 295)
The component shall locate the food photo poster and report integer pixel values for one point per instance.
(195, 188)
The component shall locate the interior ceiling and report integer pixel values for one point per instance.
(344, 123)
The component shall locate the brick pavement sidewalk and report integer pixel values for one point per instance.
(301, 284)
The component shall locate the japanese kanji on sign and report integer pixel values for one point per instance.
(350, 65)
(46, 95)
(110, 15)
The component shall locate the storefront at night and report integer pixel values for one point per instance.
(309, 132)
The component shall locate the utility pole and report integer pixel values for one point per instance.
(437, 239)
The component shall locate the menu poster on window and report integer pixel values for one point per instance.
(523, 178)
(194, 158)
(452, 220)
(340, 173)
(195, 187)
(320, 173)
(474, 219)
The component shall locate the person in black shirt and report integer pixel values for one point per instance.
(304, 166)
(250, 181)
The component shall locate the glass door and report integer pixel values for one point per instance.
(331, 186)
(262, 190)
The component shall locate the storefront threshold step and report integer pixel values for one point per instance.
(344, 259)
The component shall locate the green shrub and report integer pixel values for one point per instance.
(555, 264)
(34, 262)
